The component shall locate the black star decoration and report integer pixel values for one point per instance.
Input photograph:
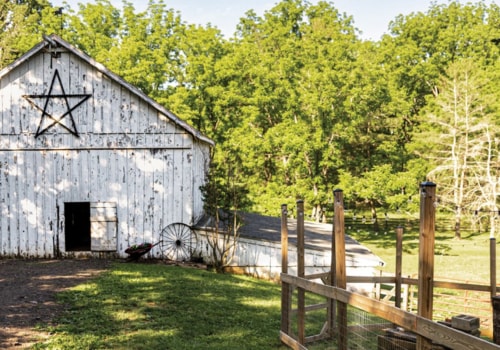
(56, 108)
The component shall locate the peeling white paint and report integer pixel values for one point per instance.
(128, 151)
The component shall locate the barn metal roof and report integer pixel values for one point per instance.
(318, 236)
(54, 41)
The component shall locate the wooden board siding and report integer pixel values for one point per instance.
(113, 116)
(128, 152)
(103, 226)
(149, 194)
(262, 258)
(201, 162)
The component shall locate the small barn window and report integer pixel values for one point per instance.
(103, 226)
(90, 226)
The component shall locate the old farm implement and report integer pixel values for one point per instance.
(177, 242)
(137, 250)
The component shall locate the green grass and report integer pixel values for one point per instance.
(156, 306)
(146, 306)
(462, 260)
(466, 259)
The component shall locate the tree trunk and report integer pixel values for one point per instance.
(458, 215)
(317, 213)
(458, 235)
(374, 216)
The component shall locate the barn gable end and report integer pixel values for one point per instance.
(79, 145)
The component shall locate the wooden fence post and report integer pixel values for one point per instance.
(331, 311)
(494, 326)
(301, 313)
(426, 256)
(285, 287)
(399, 264)
(496, 319)
(493, 266)
(340, 266)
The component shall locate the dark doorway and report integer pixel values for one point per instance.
(77, 226)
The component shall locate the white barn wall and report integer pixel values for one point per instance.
(262, 259)
(35, 183)
(200, 163)
(128, 152)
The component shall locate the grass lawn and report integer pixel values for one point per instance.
(156, 306)
(466, 259)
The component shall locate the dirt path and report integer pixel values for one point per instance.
(27, 295)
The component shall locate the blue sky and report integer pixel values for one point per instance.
(372, 17)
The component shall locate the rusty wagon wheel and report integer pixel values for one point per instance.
(178, 242)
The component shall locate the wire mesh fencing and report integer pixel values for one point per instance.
(319, 316)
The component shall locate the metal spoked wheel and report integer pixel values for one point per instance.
(178, 242)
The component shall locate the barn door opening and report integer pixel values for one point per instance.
(90, 226)
(77, 226)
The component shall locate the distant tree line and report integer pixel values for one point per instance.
(298, 104)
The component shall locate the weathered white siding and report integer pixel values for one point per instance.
(200, 162)
(262, 258)
(127, 152)
(150, 186)
(103, 228)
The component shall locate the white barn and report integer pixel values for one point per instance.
(258, 252)
(88, 163)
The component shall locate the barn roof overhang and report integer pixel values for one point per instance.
(318, 236)
(54, 43)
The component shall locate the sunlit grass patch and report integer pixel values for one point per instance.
(146, 306)
(127, 316)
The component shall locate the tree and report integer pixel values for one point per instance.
(22, 24)
(201, 92)
(418, 51)
(465, 145)
(291, 68)
(149, 52)
(95, 29)
(485, 179)
(223, 195)
(380, 187)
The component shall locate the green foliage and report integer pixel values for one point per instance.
(96, 29)
(295, 100)
(137, 306)
(290, 147)
(224, 197)
(381, 187)
(22, 24)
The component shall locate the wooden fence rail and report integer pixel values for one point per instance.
(435, 332)
(333, 287)
(473, 299)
